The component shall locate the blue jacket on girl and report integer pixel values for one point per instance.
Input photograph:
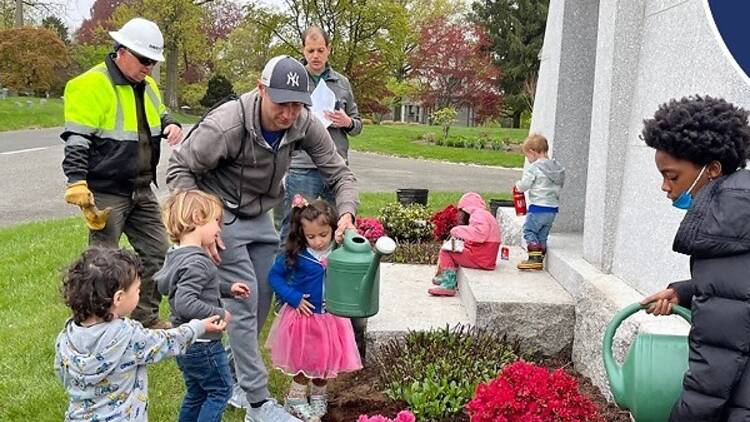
(306, 278)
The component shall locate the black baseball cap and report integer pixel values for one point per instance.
(286, 81)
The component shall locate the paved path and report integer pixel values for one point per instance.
(32, 183)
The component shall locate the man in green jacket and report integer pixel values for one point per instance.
(114, 122)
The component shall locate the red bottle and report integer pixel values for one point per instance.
(504, 253)
(519, 202)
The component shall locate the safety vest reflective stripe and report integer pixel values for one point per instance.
(125, 126)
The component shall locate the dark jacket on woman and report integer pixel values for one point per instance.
(716, 234)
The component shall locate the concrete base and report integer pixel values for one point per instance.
(406, 306)
(597, 297)
(511, 226)
(526, 305)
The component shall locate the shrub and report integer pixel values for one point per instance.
(469, 143)
(436, 371)
(191, 94)
(526, 392)
(366, 121)
(406, 224)
(443, 221)
(370, 228)
(219, 87)
(429, 137)
(439, 142)
(386, 122)
(444, 118)
(423, 253)
(403, 416)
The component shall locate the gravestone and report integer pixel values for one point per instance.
(605, 67)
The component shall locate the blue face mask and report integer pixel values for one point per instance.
(685, 200)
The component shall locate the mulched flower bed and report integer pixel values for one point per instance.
(354, 394)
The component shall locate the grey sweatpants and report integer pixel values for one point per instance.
(251, 246)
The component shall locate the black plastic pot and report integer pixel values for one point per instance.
(495, 203)
(408, 196)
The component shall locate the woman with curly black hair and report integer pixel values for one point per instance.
(702, 146)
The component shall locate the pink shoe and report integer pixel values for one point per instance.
(441, 291)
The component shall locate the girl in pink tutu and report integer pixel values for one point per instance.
(305, 341)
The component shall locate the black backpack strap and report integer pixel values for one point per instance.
(226, 99)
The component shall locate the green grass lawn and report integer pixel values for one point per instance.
(32, 258)
(398, 140)
(402, 141)
(13, 117)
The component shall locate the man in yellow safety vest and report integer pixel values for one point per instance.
(114, 122)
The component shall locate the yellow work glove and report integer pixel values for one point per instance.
(96, 219)
(78, 193)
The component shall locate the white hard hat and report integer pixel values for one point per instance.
(142, 36)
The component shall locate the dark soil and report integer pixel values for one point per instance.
(352, 395)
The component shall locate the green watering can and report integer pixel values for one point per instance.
(650, 379)
(352, 286)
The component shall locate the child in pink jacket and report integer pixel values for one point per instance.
(481, 238)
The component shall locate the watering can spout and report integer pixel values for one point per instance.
(383, 246)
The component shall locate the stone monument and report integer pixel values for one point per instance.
(605, 67)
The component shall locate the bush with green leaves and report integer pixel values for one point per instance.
(219, 88)
(406, 224)
(191, 95)
(436, 372)
(444, 118)
(421, 253)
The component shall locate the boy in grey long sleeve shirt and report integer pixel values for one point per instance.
(190, 279)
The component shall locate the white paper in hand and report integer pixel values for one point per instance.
(323, 99)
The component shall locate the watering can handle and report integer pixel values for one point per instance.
(614, 370)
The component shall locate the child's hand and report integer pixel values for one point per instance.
(214, 324)
(305, 307)
(240, 290)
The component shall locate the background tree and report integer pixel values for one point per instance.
(516, 30)
(182, 22)
(223, 17)
(31, 59)
(365, 36)
(93, 30)
(454, 69)
(24, 12)
(54, 24)
(242, 55)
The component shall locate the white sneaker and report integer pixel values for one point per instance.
(300, 408)
(238, 399)
(319, 404)
(271, 411)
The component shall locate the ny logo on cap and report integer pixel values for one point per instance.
(292, 78)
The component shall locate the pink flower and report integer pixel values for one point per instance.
(403, 416)
(370, 228)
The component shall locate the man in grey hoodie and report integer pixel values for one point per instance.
(543, 179)
(240, 152)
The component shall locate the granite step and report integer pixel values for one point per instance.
(529, 306)
(406, 306)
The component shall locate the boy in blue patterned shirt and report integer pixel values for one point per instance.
(100, 356)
